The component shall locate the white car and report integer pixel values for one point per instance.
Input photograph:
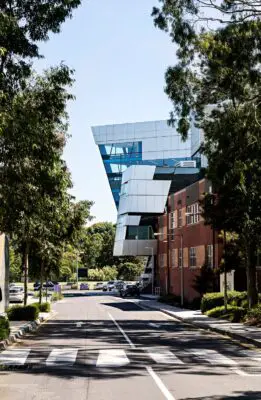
(109, 286)
(16, 294)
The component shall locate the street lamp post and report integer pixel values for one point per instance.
(152, 262)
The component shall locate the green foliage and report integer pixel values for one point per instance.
(253, 316)
(213, 300)
(44, 307)
(4, 328)
(23, 313)
(233, 313)
(96, 274)
(107, 273)
(204, 282)
(129, 271)
(15, 262)
(56, 296)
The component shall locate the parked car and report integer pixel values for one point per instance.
(99, 286)
(49, 285)
(84, 286)
(119, 285)
(109, 286)
(130, 290)
(16, 294)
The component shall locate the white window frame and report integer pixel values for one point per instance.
(194, 214)
(180, 257)
(180, 219)
(193, 257)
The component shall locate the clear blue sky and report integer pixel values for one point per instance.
(119, 59)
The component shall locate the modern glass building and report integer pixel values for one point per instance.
(144, 162)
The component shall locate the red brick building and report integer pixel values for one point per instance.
(185, 243)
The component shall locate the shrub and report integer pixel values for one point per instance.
(23, 313)
(213, 300)
(233, 313)
(4, 328)
(75, 286)
(44, 307)
(253, 316)
(56, 296)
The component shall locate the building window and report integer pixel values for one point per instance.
(180, 218)
(173, 261)
(172, 225)
(210, 255)
(192, 257)
(180, 257)
(193, 214)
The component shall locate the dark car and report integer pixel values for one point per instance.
(84, 286)
(49, 285)
(130, 290)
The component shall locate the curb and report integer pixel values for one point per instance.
(31, 326)
(232, 335)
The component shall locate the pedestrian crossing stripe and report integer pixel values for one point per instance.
(115, 358)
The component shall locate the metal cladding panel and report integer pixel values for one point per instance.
(142, 204)
(135, 248)
(148, 188)
(138, 172)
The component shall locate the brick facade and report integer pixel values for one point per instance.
(183, 223)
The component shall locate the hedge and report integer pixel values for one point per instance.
(233, 313)
(253, 316)
(23, 313)
(213, 300)
(56, 296)
(43, 307)
(4, 328)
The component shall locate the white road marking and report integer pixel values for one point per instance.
(122, 332)
(154, 325)
(63, 357)
(165, 357)
(212, 356)
(14, 356)
(79, 324)
(166, 393)
(243, 373)
(112, 358)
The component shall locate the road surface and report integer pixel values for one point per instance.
(108, 348)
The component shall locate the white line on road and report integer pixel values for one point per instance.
(154, 376)
(153, 325)
(63, 357)
(212, 356)
(160, 384)
(165, 357)
(14, 356)
(122, 332)
(79, 324)
(112, 358)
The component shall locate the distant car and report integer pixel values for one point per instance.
(109, 286)
(49, 285)
(84, 286)
(130, 290)
(119, 285)
(16, 294)
(99, 286)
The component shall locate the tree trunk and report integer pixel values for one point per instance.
(26, 264)
(251, 275)
(41, 282)
(225, 273)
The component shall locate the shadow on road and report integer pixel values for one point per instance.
(249, 395)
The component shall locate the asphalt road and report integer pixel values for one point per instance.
(108, 348)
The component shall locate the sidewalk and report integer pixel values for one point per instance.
(20, 328)
(236, 331)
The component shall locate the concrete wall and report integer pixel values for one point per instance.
(4, 273)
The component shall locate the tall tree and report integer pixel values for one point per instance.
(216, 82)
(23, 24)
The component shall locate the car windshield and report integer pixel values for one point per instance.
(110, 282)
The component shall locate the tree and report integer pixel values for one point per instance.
(220, 67)
(15, 263)
(129, 271)
(31, 169)
(23, 24)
